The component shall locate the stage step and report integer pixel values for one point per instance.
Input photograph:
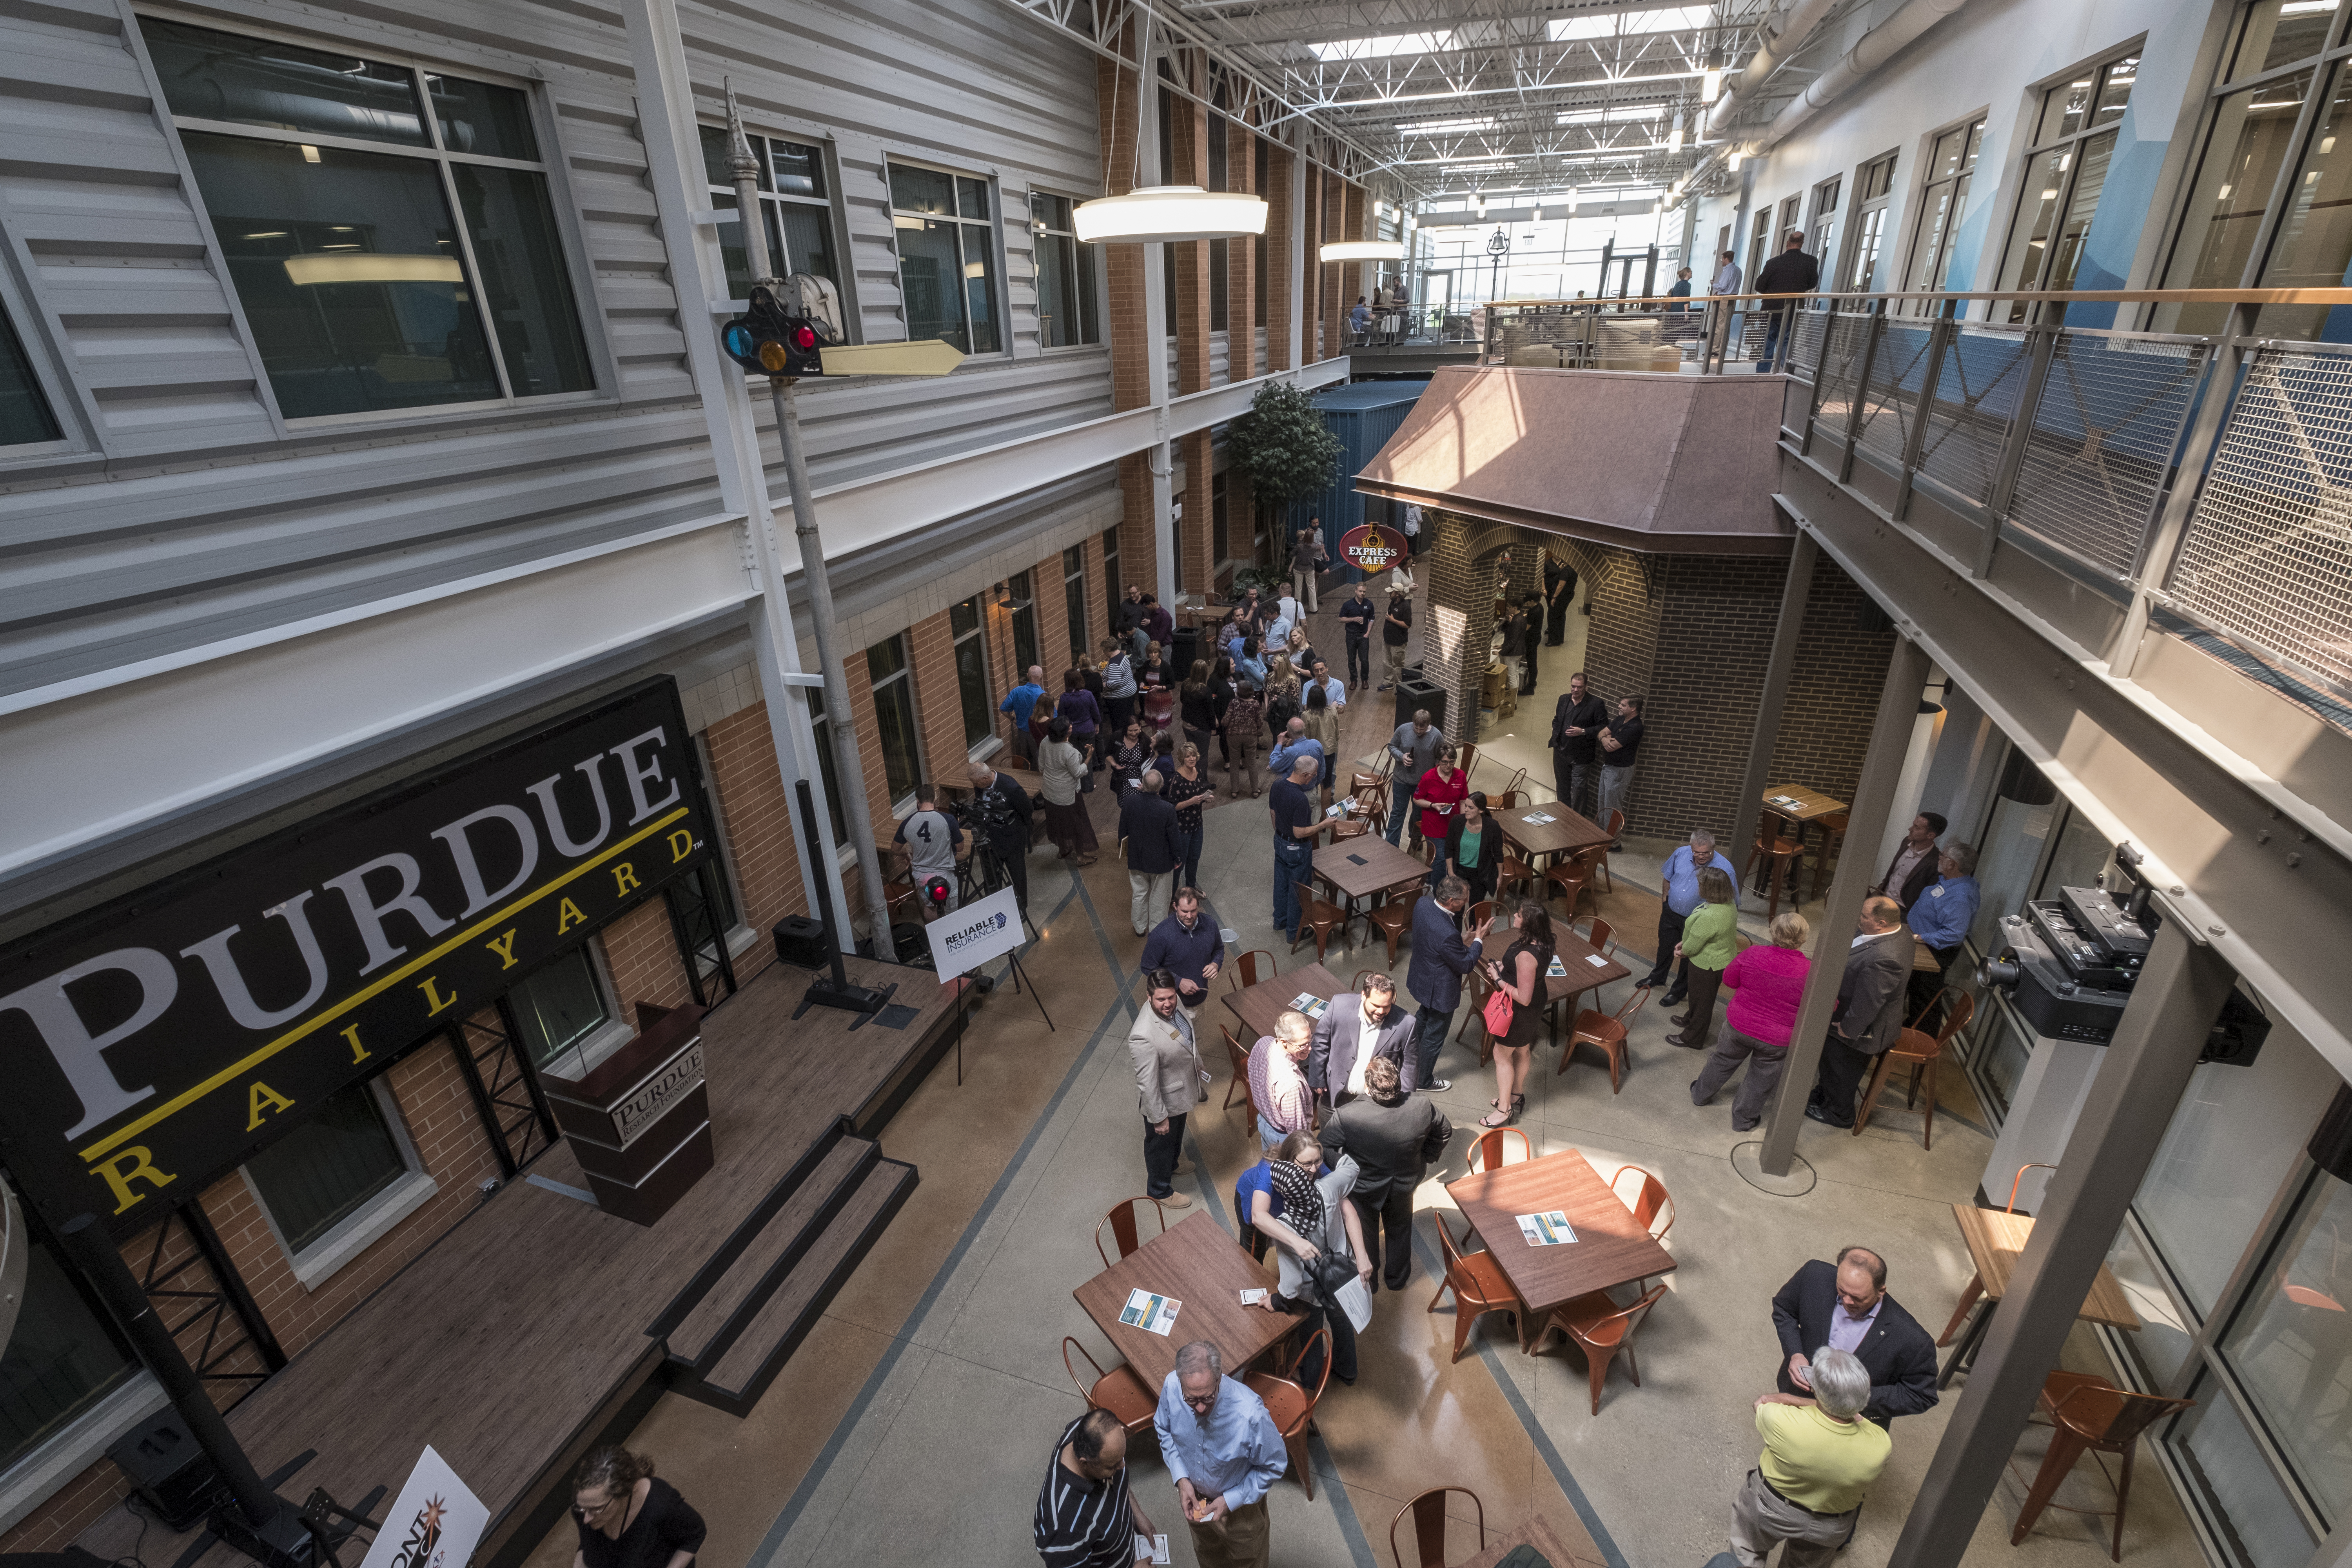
(765, 1256)
(738, 1364)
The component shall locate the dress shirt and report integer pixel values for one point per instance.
(1906, 860)
(1681, 873)
(1237, 1454)
(1252, 670)
(1942, 916)
(1278, 634)
(1020, 701)
(1726, 279)
(1357, 615)
(1335, 691)
(1278, 1087)
(1846, 1330)
(1279, 759)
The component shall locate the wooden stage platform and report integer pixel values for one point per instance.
(538, 1321)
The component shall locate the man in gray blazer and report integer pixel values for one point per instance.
(1869, 1012)
(1352, 1031)
(1169, 1082)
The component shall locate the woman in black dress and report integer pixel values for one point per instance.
(1196, 710)
(1220, 696)
(1521, 973)
(626, 1518)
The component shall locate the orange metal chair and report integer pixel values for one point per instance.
(1238, 1055)
(2089, 1414)
(1601, 936)
(1429, 1518)
(1394, 920)
(1598, 854)
(1510, 872)
(1124, 1231)
(1478, 1285)
(1506, 800)
(1652, 1206)
(1119, 1391)
(1487, 1149)
(1253, 967)
(1605, 1031)
(1568, 879)
(1318, 918)
(1292, 1407)
(1921, 1053)
(1602, 1328)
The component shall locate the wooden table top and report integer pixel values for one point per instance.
(1809, 805)
(1577, 957)
(1995, 1239)
(1564, 835)
(1258, 1005)
(1923, 959)
(1610, 1247)
(1536, 1533)
(1197, 1264)
(1361, 867)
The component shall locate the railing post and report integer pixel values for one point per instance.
(2159, 544)
(1813, 395)
(1871, 334)
(1940, 338)
(2043, 337)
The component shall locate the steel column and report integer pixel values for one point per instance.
(2043, 348)
(1871, 336)
(1777, 667)
(1874, 798)
(2130, 1104)
(1914, 441)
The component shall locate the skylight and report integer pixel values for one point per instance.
(1443, 127)
(1382, 47)
(1667, 19)
(1615, 114)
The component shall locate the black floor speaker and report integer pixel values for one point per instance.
(168, 1471)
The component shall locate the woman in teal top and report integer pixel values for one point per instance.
(1474, 846)
(1709, 943)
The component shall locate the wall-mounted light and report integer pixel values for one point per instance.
(370, 267)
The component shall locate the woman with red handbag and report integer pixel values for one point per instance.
(1514, 1010)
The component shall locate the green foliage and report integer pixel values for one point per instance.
(1284, 446)
(1269, 581)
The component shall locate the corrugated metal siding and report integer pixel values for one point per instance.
(195, 516)
(1362, 431)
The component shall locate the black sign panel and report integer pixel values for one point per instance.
(153, 1042)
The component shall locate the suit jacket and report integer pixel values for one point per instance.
(1391, 1144)
(1440, 960)
(1922, 877)
(1013, 834)
(1897, 1352)
(1790, 272)
(1589, 716)
(1147, 823)
(1871, 993)
(1167, 1065)
(1339, 1037)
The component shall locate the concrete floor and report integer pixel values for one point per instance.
(913, 1425)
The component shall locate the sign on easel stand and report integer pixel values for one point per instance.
(982, 929)
(435, 1523)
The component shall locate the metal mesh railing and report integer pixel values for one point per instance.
(1977, 388)
(1892, 398)
(1810, 326)
(2268, 553)
(1838, 381)
(2104, 432)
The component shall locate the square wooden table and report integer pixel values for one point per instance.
(1566, 834)
(1536, 1533)
(1996, 1240)
(1258, 1005)
(1197, 1264)
(1610, 1247)
(1365, 867)
(1804, 804)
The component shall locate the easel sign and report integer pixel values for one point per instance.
(435, 1523)
(980, 930)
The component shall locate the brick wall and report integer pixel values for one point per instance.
(1241, 261)
(1279, 221)
(1705, 683)
(70, 1510)
(939, 716)
(1352, 226)
(760, 835)
(1833, 689)
(641, 953)
(1458, 628)
(1053, 623)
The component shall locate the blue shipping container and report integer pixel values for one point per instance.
(1363, 414)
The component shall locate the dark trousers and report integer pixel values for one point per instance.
(1388, 1234)
(1430, 1028)
(1343, 1346)
(1360, 662)
(1188, 845)
(1556, 620)
(1670, 931)
(1765, 1064)
(1527, 666)
(1159, 1151)
(1012, 853)
(1293, 863)
(1840, 1083)
(1704, 984)
(1774, 320)
(1925, 987)
(1572, 784)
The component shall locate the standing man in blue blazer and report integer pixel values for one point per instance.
(1845, 1305)
(1441, 960)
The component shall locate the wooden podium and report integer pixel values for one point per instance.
(640, 1123)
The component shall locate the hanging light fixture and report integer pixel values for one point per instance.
(1710, 80)
(1154, 213)
(1572, 195)
(1538, 211)
(1362, 251)
(1674, 136)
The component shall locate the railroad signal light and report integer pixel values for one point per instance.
(765, 340)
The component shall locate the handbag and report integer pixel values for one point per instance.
(1325, 1277)
(1497, 1011)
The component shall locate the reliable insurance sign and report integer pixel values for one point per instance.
(151, 1043)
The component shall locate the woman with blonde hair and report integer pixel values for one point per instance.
(1769, 980)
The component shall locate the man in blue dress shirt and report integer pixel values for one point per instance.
(1678, 883)
(1945, 909)
(1224, 1454)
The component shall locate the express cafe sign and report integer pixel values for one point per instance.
(1371, 548)
(153, 1042)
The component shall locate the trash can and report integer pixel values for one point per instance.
(1182, 652)
(1413, 692)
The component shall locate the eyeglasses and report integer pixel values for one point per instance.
(586, 1511)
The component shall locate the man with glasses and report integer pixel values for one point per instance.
(1225, 1453)
(1086, 1515)
(1845, 1307)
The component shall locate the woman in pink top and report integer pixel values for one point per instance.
(1767, 985)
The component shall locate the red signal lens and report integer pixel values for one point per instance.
(804, 338)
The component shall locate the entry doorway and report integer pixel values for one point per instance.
(1632, 276)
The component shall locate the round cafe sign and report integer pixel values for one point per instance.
(1371, 548)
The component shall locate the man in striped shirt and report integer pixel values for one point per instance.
(1086, 1518)
(1277, 1079)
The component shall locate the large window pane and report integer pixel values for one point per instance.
(930, 273)
(894, 714)
(24, 413)
(919, 190)
(477, 117)
(2165, 1334)
(980, 287)
(1057, 302)
(527, 288)
(2315, 237)
(208, 75)
(2249, 143)
(62, 1356)
(2081, 853)
(2292, 1342)
(825, 764)
(2260, 1520)
(556, 1009)
(2037, 216)
(971, 671)
(798, 168)
(2274, 33)
(319, 1174)
(1024, 619)
(2094, 152)
(808, 237)
(347, 267)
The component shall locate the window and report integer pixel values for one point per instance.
(1951, 164)
(1074, 600)
(1113, 589)
(1873, 188)
(893, 674)
(1760, 249)
(1024, 595)
(1257, 295)
(1069, 310)
(1822, 237)
(325, 1169)
(331, 180)
(2065, 169)
(24, 415)
(557, 1008)
(792, 197)
(2290, 1343)
(1220, 252)
(971, 670)
(823, 732)
(64, 1356)
(946, 257)
(2268, 206)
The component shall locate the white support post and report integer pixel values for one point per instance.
(1162, 459)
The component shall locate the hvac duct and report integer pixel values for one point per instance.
(1877, 46)
(1797, 25)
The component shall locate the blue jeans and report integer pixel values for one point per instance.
(1293, 863)
(1400, 805)
(1772, 321)
(1428, 1031)
(1188, 845)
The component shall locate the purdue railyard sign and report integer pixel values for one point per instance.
(151, 1043)
(1371, 548)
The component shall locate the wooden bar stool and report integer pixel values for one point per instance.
(2088, 1415)
(1921, 1052)
(1784, 852)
